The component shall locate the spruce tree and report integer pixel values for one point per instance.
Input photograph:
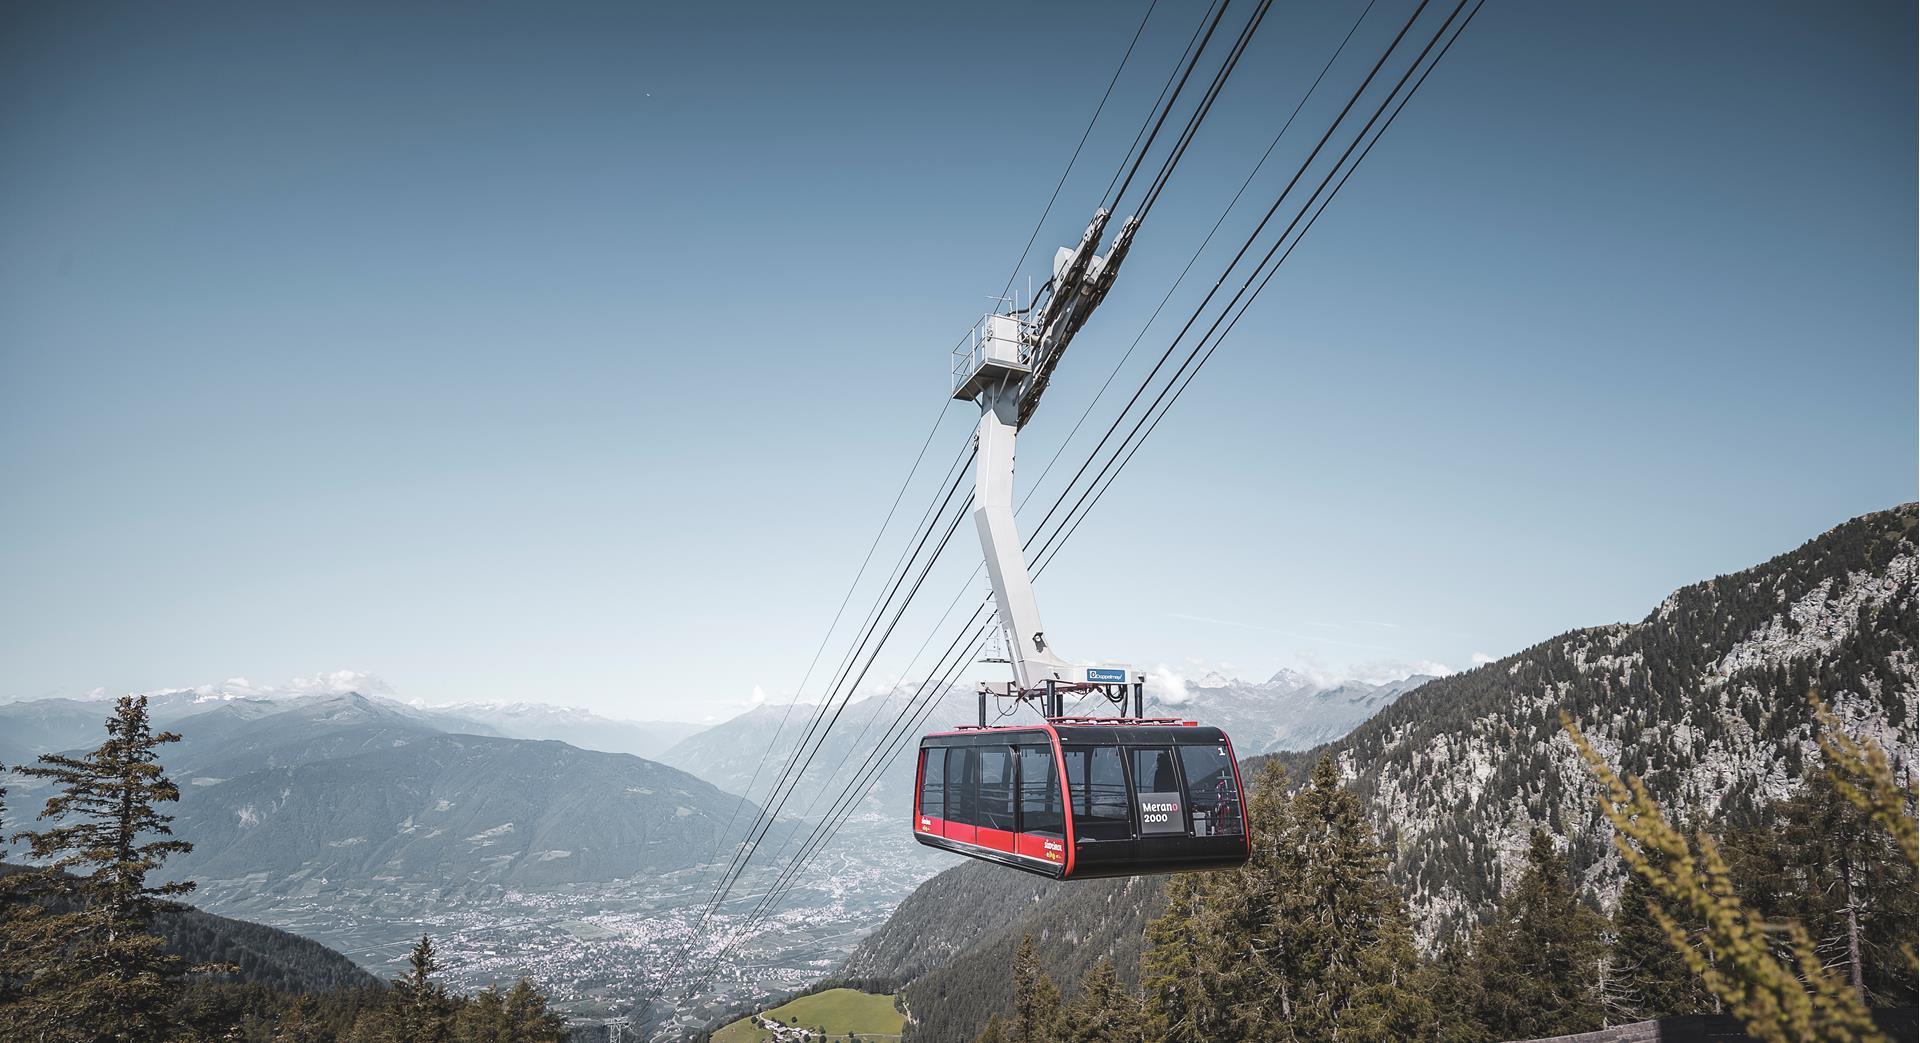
(301, 1023)
(1180, 963)
(482, 1018)
(1645, 976)
(1036, 999)
(1451, 982)
(369, 1027)
(1307, 940)
(528, 1020)
(92, 967)
(1345, 946)
(1205, 968)
(995, 1032)
(418, 1008)
(1539, 960)
(1105, 1012)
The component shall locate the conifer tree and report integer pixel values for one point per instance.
(1776, 1001)
(1198, 968)
(1539, 960)
(419, 1009)
(1824, 863)
(528, 1020)
(1645, 976)
(1451, 983)
(90, 963)
(1393, 998)
(482, 1018)
(1308, 940)
(1344, 946)
(995, 1032)
(1180, 963)
(301, 1023)
(1105, 1011)
(1036, 999)
(368, 1027)
(1863, 775)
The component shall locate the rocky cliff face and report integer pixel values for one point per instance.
(1706, 698)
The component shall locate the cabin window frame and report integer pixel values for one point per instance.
(1085, 825)
(1232, 774)
(1041, 748)
(938, 779)
(966, 785)
(1009, 780)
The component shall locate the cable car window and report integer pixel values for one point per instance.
(1040, 792)
(932, 775)
(961, 771)
(1156, 789)
(1153, 771)
(996, 789)
(1213, 799)
(1097, 779)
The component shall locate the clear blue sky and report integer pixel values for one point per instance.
(572, 351)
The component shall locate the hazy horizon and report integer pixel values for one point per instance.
(1163, 680)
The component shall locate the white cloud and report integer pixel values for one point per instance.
(759, 696)
(340, 682)
(1167, 686)
(1482, 659)
(1306, 666)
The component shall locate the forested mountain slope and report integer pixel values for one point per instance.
(1706, 697)
(264, 955)
(948, 947)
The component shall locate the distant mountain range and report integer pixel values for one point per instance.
(352, 789)
(34, 726)
(465, 808)
(1288, 711)
(1705, 698)
(576, 727)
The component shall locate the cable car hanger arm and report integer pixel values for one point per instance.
(1005, 370)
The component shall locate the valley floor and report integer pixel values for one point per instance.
(602, 951)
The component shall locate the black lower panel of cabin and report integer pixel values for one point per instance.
(1094, 859)
(1099, 859)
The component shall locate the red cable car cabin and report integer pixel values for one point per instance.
(1142, 796)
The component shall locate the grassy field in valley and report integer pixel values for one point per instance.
(836, 1012)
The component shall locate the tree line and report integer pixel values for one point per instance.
(1797, 927)
(82, 959)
